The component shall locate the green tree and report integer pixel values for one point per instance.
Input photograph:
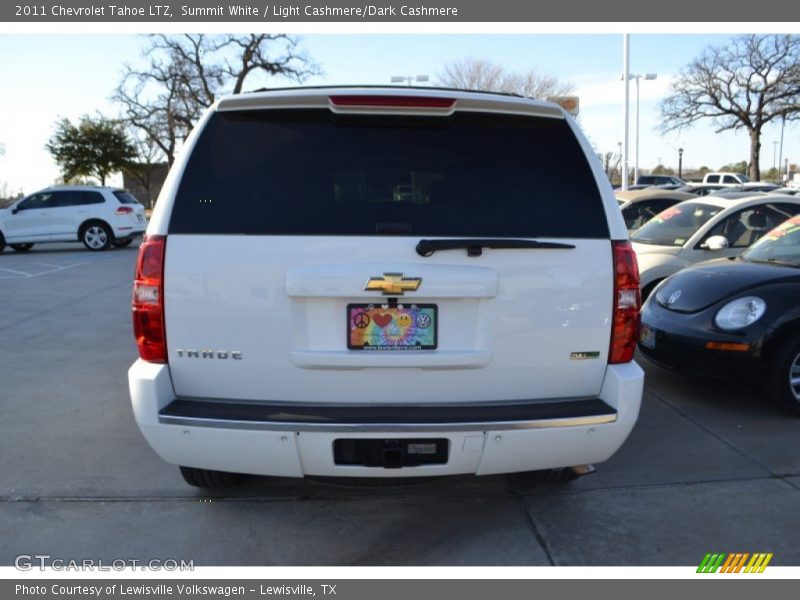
(743, 85)
(737, 167)
(660, 169)
(92, 148)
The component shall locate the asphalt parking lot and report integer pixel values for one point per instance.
(709, 467)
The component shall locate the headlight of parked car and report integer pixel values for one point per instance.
(740, 313)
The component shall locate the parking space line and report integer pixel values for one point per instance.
(24, 275)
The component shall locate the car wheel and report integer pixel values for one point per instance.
(2, 242)
(21, 247)
(122, 243)
(206, 478)
(96, 236)
(783, 382)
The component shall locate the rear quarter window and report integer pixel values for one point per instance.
(125, 197)
(311, 172)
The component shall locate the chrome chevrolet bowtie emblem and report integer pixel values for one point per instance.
(392, 284)
(674, 297)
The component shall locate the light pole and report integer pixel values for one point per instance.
(409, 79)
(637, 77)
(625, 75)
(774, 155)
(780, 156)
(680, 163)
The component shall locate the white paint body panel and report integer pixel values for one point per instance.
(509, 320)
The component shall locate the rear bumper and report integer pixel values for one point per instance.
(295, 440)
(129, 230)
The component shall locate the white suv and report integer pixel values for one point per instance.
(96, 216)
(296, 315)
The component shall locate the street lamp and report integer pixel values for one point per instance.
(680, 163)
(774, 156)
(409, 79)
(637, 77)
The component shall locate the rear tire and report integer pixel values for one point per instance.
(122, 243)
(96, 236)
(205, 478)
(2, 242)
(21, 247)
(783, 376)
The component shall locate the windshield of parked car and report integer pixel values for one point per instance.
(781, 245)
(674, 226)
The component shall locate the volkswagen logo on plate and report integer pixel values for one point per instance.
(674, 297)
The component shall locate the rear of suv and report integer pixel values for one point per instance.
(97, 216)
(384, 282)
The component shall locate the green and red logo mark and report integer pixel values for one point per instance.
(735, 563)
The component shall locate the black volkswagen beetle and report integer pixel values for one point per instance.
(736, 318)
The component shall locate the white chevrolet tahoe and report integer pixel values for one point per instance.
(385, 282)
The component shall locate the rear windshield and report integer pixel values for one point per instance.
(311, 172)
(125, 197)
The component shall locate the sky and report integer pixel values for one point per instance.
(68, 75)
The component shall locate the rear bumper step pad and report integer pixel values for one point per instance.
(370, 417)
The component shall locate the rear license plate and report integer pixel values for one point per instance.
(647, 336)
(384, 327)
(390, 453)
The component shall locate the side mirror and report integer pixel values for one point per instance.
(716, 242)
(14, 210)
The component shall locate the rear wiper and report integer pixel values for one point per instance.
(474, 246)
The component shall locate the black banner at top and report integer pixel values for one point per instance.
(399, 11)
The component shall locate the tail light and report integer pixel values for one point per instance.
(124, 210)
(627, 302)
(148, 300)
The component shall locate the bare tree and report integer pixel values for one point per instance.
(185, 74)
(478, 74)
(745, 84)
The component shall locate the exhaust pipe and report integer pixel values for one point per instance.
(581, 470)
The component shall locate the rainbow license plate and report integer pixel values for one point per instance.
(384, 327)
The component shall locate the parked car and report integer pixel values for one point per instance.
(639, 206)
(747, 188)
(699, 189)
(737, 318)
(702, 229)
(659, 180)
(734, 194)
(97, 216)
(726, 178)
(669, 186)
(296, 316)
(787, 191)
